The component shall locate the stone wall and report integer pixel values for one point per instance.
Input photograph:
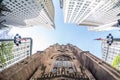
(100, 69)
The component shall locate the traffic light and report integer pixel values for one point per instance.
(109, 39)
(17, 39)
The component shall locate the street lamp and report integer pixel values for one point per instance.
(109, 39)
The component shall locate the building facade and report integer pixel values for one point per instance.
(61, 62)
(4, 34)
(11, 53)
(26, 13)
(109, 54)
(98, 15)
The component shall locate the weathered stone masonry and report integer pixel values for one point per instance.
(45, 65)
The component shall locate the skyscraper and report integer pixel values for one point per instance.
(26, 13)
(11, 53)
(4, 34)
(61, 62)
(98, 15)
(109, 54)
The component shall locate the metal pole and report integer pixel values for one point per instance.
(107, 53)
(109, 42)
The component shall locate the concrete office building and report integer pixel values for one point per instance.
(97, 15)
(4, 34)
(11, 54)
(109, 54)
(26, 13)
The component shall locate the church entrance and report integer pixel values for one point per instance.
(64, 69)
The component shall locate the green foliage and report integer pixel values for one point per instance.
(2, 59)
(5, 51)
(116, 61)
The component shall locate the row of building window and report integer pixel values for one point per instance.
(63, 63)
(21, 48)
(7, 58)
(18, 8)
(107, 12)
(75, 12)
(8, 63)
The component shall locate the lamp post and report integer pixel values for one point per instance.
(109, 39)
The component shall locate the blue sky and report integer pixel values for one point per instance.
(63, 34)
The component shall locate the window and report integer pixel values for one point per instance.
(22, 1)
(15, 0)
(25, 4)
(29, 3)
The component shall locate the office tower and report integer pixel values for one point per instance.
(61, 62)
(26, 13)
(3, 9)
(97, 15)
(11, 53)
(109, 53)
(4, 34)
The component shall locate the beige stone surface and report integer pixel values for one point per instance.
(41, 65)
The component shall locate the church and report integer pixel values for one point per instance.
(61, 62)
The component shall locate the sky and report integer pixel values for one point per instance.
(63, 34)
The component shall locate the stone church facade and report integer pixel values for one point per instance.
(61, 62)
